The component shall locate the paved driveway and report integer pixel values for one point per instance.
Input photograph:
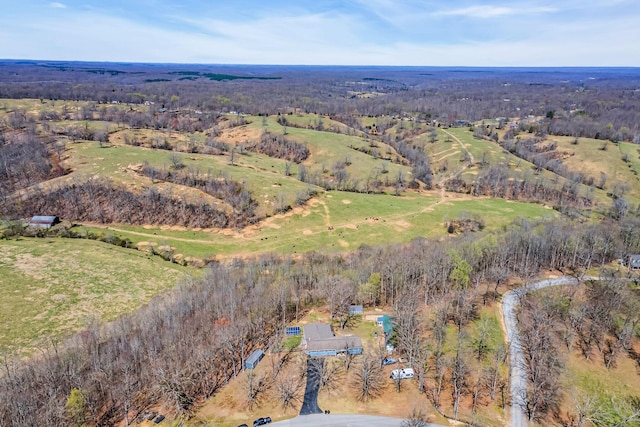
(314, 372)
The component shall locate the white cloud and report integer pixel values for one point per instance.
(286, 34)
(57, 5)
(489, 11)
(320, 38)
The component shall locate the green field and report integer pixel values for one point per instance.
(450, 149)
(328, 147)
(54, 287)
(335, 221)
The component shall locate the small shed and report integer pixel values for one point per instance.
(634, 262)
(253, 360)
(43, 221)
(356, 309)
(387, 323)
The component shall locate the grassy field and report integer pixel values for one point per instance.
(335, 221)
(327, 148)
(263, 175)
(589, 157)
(54, 287)
(451, 149)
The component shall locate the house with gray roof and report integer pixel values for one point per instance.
(318, 340)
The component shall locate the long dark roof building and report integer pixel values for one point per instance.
(43, 221)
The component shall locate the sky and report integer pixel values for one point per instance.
(326, 32)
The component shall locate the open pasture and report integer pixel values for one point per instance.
(54, 287)
(335, 221)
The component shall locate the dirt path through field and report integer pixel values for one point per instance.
(461, 144)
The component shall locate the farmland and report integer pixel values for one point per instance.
(54, 287)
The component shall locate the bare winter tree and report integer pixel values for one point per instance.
(256, 386)
(290, 387)
(460, 373)
(542, 359)
(408, 326)
(438, 358)
(340, 293)
(587, 408)
(417, 418)
(331, 374)
(368, 378)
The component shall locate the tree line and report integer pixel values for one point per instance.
(219, 186)
(25, 160)
(603, 108)
(100, 200)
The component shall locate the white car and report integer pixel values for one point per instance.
(402, 374)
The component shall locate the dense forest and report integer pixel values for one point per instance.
(601, 103)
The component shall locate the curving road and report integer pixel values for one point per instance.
(518, 385)
(343, 420)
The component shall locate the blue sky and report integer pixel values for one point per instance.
(331, 32)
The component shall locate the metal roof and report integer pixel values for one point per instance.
(343, 343)
(255, 356)
(319, 337)
(43, 221)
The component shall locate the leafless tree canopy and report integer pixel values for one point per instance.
(369, 380)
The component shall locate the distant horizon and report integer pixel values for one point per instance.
(484, 33)
(489, 67)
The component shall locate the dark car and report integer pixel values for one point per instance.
(159, 419)
(389, 361)
(243, 425)
(262, 421)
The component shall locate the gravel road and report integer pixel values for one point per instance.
(510, 302)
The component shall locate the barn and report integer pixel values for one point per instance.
(43, 221)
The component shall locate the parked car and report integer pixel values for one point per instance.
(402, 374)
(261, 421)
(159, 419)
(389, 361)
(243, 425)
